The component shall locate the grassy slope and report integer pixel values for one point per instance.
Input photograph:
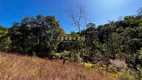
(16, 67)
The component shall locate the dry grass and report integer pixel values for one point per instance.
(16, 67)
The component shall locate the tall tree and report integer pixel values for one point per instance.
(36, 35)
(79, 18)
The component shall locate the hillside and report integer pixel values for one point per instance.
(17, 67)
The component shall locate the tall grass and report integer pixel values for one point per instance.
(17, 67)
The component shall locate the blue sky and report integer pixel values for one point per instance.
(100, 11)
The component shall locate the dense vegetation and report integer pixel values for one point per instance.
(42, 36)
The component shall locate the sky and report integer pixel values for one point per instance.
(100, 11)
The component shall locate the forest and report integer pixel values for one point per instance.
(42, 36)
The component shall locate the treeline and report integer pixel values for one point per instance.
(40, 36)
(33, 36)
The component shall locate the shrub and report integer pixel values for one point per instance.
(120, 56)
(56, 56)
(87, 65)
(139, 71)
(126, 75)
(5, 44)
(112, 69)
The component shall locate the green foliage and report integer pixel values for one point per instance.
(36, 36)
(75, 57)
(139, 71)
(112, 69)
(87, 65)
(135, 61)
(120, 56)
(139, 64)
(120, 30)
(5, 40)
(126, 75)
(5, 44)
(56, 56)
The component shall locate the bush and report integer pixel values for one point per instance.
(87, 65)
(112, 69)
(139, 71)
(56, 56)
(126, 75)
(120, 56)
(5, 44)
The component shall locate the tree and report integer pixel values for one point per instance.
(36, 36)
(116, 42)
(140, 12)
(5, 41)
(80, 18)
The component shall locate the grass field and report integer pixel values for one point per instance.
(17, 67)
